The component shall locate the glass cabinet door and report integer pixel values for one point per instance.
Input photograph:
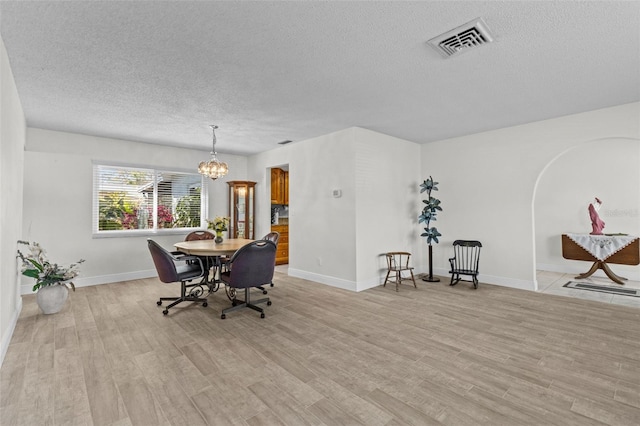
(241, 209)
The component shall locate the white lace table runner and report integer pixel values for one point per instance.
(602, 246)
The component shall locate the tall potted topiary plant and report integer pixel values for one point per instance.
(429, 213)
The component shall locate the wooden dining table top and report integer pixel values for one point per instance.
(210, 248)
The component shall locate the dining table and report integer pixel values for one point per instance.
(214, 254)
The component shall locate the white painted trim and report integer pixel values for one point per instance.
(370, 283)
(496, 280)
(6, 339)
(323, 279)
(311, 276)
(103, 279)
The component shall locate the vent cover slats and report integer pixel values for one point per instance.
(467, 36)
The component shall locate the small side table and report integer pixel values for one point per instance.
(629, 255)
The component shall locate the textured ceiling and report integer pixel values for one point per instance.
(161, 72)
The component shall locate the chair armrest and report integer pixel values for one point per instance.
(183, 257)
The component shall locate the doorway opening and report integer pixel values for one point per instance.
(279, 211)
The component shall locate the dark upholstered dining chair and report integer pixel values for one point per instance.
(199, 235)
(178, 267)
(207, 261)
(274, 237)
(250, 266)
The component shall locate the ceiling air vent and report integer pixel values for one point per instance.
(467, 36)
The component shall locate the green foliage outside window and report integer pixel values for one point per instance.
(114, 210)
(188, 211)
(126, 199)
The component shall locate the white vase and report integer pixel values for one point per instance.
(51, 299)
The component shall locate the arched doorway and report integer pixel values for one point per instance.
(608, 168)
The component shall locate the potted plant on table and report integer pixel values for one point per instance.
(218, 225)
(52, 280)
(429, 213)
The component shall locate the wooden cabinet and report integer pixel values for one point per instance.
(242, 208)
(282, 255)
(279, 186)
(285, 196)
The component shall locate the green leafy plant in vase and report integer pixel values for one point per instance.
(218, 225)
(52, 279)
(429, 213)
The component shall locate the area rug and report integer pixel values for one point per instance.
(620, 290)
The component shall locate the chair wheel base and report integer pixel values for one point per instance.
(159, 302)
(223, 316)
(264, 291)
(262, 315)
(205, 304)
(269, 303)
(165, 312)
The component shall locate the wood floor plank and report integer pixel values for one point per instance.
(285, 408)
(401, 410)
(213, 410)
(323, 356)
(142, 407)
(628, 393)
(176, 405)
(105, 401)
(38, 387)
(265, 418)
(363, 410)
(331, 414)
(71, 402)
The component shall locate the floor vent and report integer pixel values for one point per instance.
(603, 288)
(459, 40)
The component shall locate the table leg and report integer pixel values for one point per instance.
(212, 281)
(602, 265)
(615, 278)
(590, 272)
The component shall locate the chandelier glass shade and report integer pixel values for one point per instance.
(213, 168)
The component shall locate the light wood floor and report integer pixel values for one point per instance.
(323, 356)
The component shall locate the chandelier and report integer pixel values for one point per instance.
(213, 168)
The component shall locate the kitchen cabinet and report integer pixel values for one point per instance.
(282, 254)
(242, 208)
(279, 186)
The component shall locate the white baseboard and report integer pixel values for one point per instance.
(373, 282)
(496, 280)
(323, 279)
(102, 279)
(6, 338)
(367, 284)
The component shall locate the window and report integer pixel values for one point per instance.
(138, 200)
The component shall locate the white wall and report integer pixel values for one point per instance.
(12, 139)
(487, 183)
(58, 188)
(338, 241)
(387, 172)
(608, 169)
(486, 186)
